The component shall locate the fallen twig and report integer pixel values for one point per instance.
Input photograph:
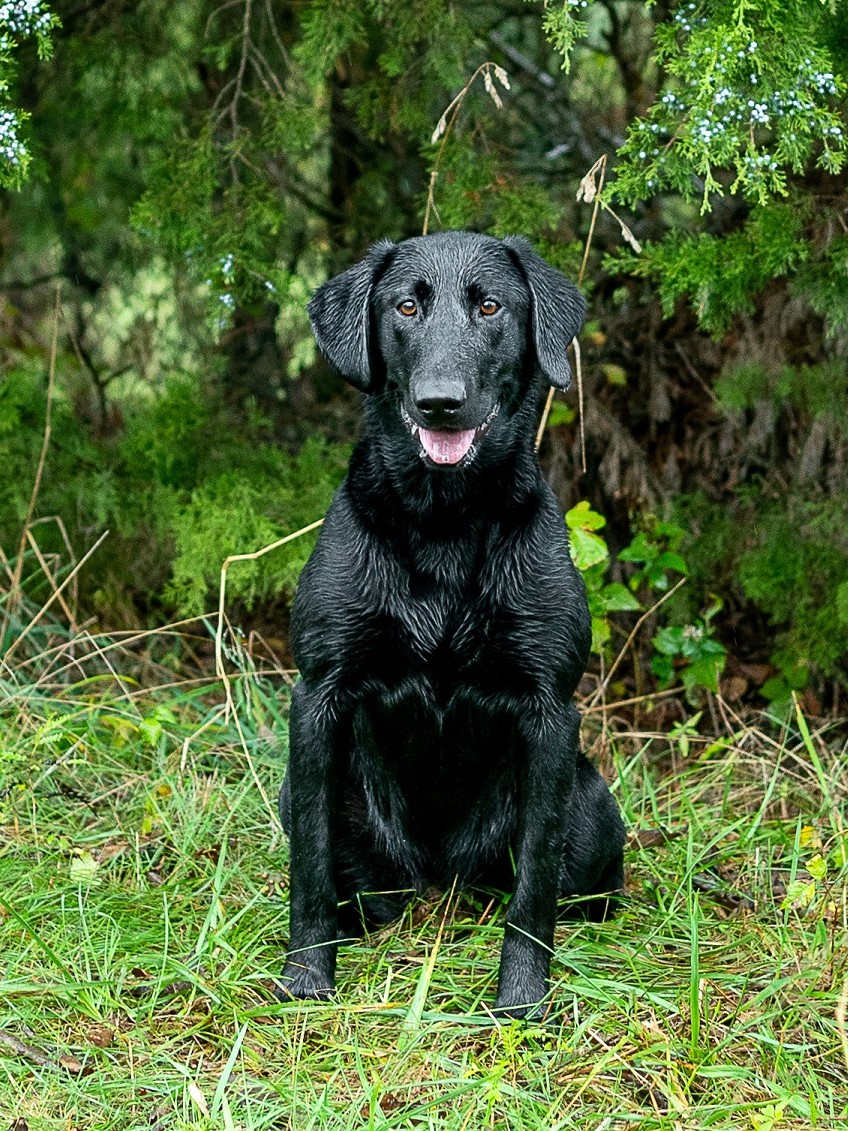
(20, 1048)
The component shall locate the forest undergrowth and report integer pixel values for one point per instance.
(183, 410)
(143, 921)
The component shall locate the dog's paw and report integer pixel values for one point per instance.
(302, 983)
(533, 1013)
(522, 1002)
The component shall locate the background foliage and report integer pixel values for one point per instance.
(189, 172)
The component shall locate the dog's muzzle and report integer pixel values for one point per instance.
(444, 447)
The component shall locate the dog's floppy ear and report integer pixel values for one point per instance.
(557, 314)
(340, 313)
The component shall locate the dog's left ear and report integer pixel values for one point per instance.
(340, 314)
(557, 314)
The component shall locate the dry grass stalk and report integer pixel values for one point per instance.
(446, 122)
(222, 596)
(229, 705)
(55, 596)
(589, 191)
(15, 591)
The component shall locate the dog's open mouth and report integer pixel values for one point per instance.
(444, 447)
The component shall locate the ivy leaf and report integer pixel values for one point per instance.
(582, 517)
(817, 866)
(152, 730)
(601, 633)
(668, 641)
(663, 668)
(799, 894)
(587, 549)
(617, 598)
(703, 673)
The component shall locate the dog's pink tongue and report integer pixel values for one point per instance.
(445, 447)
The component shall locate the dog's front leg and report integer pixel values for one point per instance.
(310, 969)
(545, 781)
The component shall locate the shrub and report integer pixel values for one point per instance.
(182, 486)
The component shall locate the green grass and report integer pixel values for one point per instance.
(143, 919)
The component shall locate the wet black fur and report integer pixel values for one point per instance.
(440, 627)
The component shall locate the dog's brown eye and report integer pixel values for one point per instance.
(489, 306)
(408, 307)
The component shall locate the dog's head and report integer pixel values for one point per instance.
(456, 324)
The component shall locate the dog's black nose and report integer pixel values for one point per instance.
(435, 406)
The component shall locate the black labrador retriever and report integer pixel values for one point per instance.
(440, 626)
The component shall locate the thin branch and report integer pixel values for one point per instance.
(222, 594)
(19, 1048)
(245, 47)
(259, 61)
(221, 8)
(605, 684)
(45, 569)
(588, 191)
(29, 284)
(578, 368)
(272, 23)
(601, 167)
(546, 412)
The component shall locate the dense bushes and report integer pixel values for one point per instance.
(183, 484)
(192, 175)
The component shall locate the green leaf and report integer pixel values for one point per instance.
(83, 867)
(601, 633)
(663, 668)
(669, 641)
(614, 374)
(639, 550)
(587, 549)
(152, 730)
(617, 598)
(582, 517)
(670, 560)
(703, 673)
(799, 894)
(817, 866)
(561, 413)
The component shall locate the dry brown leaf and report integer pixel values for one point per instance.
(654, 838)
(74, 1066)
(101, 1036)
(501, 76)
(587, 189)
(733, 688)
(628, 236)
(110, 850)
(491, 91)
(198, 1097)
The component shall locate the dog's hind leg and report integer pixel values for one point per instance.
(593, 857)
(373, 888)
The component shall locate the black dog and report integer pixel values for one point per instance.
(440, 626)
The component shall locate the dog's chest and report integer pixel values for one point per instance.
(443, 621)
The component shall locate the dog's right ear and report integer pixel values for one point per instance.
(340, 314)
